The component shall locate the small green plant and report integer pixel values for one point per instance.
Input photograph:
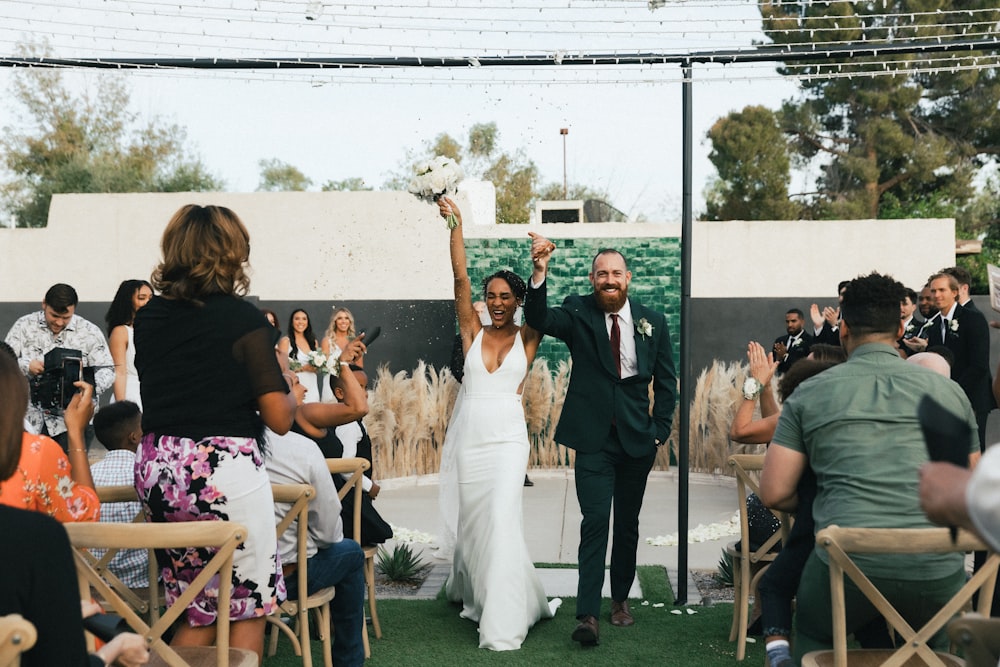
(401, 565)
(724, 575)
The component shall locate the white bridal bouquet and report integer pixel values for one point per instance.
(436, 178)
(324, 363)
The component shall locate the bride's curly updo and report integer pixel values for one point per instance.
(517, 284)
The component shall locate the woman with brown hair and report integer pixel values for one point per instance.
(211, 382)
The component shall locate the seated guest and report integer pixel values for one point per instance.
(38, 578)
(119, 428)
(333, 560)
(856, 426)
(46, 479)
(354, 441)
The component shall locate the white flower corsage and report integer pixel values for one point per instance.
(953, 325)
(909, 328)
(644, 328)
(797, 342)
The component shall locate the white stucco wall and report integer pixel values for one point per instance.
(792, 258)
(389, 245)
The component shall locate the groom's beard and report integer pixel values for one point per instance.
(611, 302)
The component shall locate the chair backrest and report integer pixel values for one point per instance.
(17, 635)
(224, 536)
(299, 495)
(840, 542)
(126, 494)
(356, 467)
(746, 468)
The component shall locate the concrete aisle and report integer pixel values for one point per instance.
(552, 521)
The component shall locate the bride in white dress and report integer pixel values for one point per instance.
(484, 460)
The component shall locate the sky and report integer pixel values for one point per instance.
(625, 132)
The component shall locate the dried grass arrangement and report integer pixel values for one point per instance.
(408, 418)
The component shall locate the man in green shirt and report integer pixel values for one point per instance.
(856, 426)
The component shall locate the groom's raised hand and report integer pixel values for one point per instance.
(541, 252)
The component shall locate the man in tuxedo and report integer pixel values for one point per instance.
(618, 348)
(925, 304)
(795, 344)
(964, 278)
(965, 332)
(826, 324)
(912, 324)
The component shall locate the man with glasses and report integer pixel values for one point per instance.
(58, 325)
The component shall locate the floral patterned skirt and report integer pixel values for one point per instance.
(217, 478)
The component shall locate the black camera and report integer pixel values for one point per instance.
(53, 389)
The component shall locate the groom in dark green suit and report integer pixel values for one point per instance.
(618, 348)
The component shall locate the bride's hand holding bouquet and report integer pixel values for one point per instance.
(436, 178)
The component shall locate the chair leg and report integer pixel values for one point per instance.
(307, 659)
(734, 628)
(743, 600)
(323, 613)
(370, 579)
(364, 638)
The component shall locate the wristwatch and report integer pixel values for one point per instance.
(751, 388)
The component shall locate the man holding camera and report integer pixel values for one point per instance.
(56, 325)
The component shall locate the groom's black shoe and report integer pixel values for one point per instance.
(587, 632)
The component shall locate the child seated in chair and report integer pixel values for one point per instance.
(118, 426)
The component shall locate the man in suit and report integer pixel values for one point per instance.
(964, 278)
(826, 324)
(965, 332)
(795, 344)
(618, 347)
(912, 324)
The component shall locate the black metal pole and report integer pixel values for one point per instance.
(685, 371)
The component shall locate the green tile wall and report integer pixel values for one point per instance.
(654, 262)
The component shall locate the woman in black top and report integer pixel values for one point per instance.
(210, 383)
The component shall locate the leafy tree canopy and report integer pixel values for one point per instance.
(278, 176)
(88, 142)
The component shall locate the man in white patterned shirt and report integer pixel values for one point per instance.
(58, 325)
(119, 429)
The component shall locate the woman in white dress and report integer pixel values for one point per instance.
(339, 333)
(484, 459)
(297, 346)
(130, 297)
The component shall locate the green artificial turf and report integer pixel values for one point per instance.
(430, 632)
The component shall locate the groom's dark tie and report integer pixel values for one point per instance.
(616, 343)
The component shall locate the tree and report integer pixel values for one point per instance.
(354, 183)
(278, 176)
(750, 154)
(909, 133)
(88, 143)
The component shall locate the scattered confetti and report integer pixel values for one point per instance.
(645, 603)
(676, 611)
(657, 605)
(691, 611)
(751, 640)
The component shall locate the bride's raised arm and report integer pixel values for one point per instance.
(468, 321)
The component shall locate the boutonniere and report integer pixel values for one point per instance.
(910, 327)
(797, 342)
(644, 328)
(926, 324)
(953, 325)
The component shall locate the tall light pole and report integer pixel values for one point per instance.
(564, 131)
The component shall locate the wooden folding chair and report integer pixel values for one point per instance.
(913, 649)
(147, 605)
(300, 495)
(749, 564)
(979, 639)
(17, 635)
(222, 535)
(356, 467)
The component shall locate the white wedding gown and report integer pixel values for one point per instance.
(486, 449)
